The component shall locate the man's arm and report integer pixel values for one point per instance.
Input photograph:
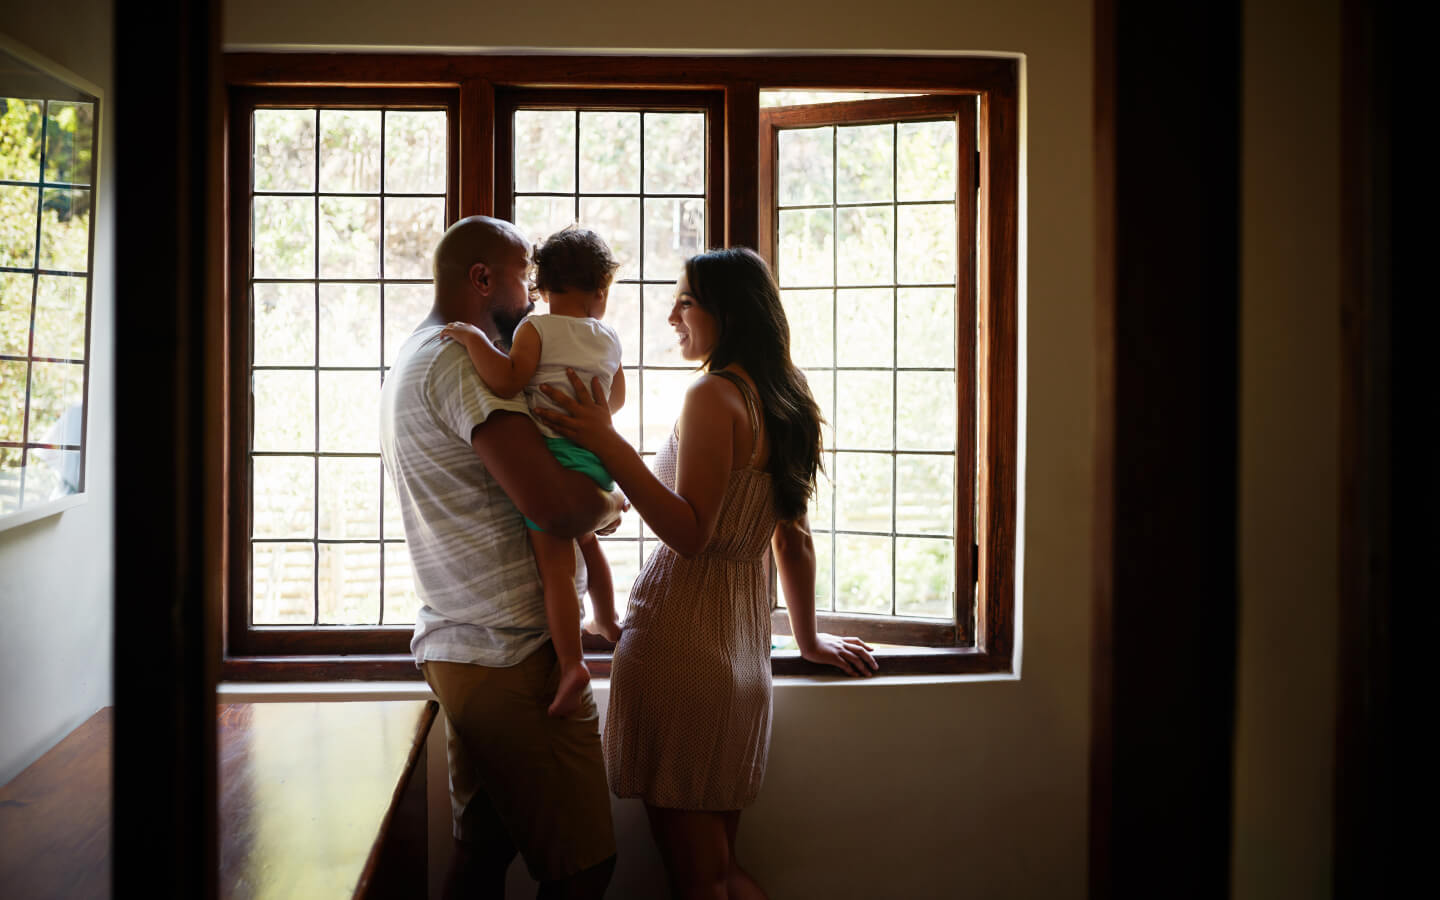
(565, 503)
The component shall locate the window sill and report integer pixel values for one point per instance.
(42, 511)
(927, 663)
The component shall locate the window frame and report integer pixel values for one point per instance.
(480, 85)
(83, 91)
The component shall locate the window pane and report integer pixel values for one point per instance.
(866, 254)
(624, 557)
(664, 394)
(284, 325)
(865, 409)
(674, 231)
(17, 225)
(413, 226)
(69, 139)
(283, 492)
(65, 230)
(925, 577)
(284, 237)
(350, 237)
(284, 150)
(349, 412)
(627, 419)
(661, 346)
(406, 306)
(863, 574)
(866, 321)
(806, 170)
(20, 124)
(545, 150)
(350, 151)
(14, 377)
(674, 153)
(927, 244)
(284, 411)
(47, 478)
(415, 151)
(622, 313)
(349, 498)
(617, 220)
(539, 217)
(863, 490)
(927, 410)
(811, 317)
(60, 316)
(15, 297)
(807, 252)
(610, 153)
(927, 327)
(349, 324)
(822, 388)
(349, 584)
(925, 494)
(9, 468)
(927, 161)
(401, 601)
(56, 392)
(282, 578)
(865, 157)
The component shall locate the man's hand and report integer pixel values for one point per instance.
(621, 504)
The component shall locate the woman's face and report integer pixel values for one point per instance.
(694, 325)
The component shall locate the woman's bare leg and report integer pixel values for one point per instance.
(555, 558)
(741, 884)
(695, 849)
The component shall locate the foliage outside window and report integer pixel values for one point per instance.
(47, 193)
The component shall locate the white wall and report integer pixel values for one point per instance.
(56, 619)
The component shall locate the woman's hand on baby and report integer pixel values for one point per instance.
(587, 415)
(849, 654)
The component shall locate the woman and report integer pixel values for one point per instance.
(688, 729)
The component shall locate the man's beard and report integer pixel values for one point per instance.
(507, 324)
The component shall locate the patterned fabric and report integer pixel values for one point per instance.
(474, 571)
(688, 725)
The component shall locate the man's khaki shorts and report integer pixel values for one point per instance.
(519, 776)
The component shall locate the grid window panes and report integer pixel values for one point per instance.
(46, 199)
(866, 259)
(638, 179)
(346, 208)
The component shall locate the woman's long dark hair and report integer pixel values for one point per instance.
(737, 288)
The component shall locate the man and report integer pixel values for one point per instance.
(466, 466)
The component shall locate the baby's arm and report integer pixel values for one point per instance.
(617, 390)
(505, 375)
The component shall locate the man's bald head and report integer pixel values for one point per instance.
(477, 239)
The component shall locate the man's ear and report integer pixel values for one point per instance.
(479, 277)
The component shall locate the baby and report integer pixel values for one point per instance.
(573, 271)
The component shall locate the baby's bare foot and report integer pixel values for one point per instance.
(567, 696)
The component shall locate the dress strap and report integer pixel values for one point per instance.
(752, 406)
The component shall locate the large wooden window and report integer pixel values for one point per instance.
(871, 230)
(890, 222)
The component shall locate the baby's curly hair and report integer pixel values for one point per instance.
(574, 259)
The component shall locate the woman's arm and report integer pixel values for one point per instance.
(505, 375)
(685, 517)
(794, 551)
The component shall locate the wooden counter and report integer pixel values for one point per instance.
(316, 800)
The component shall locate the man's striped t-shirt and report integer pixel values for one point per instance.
(480, 594)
